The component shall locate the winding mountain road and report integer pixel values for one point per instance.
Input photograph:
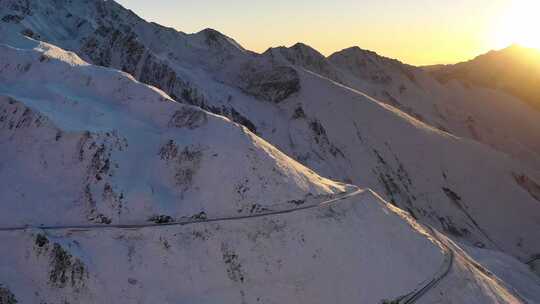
(188, 221)
(411, 297)
(426, 286)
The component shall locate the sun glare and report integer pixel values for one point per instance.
(519, 24)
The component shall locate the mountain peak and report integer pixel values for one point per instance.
(514, 69)
(214, 38)
(515, 46)
(299, 52)
(211, 31)
(305, 48)
(353, 49)
(519, 49)
(356, 51)
(515, 53)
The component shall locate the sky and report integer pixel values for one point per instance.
(419, 32)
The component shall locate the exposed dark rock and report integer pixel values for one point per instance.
(109, 42)
(159, 74)
(113, 199)
(201, 235)
(29, 33)
(102, 219)
(81, 145)
(168, 151)
(134, 58)
(166, 245)
(299, 113)
(402, 89)
(321, 138)
(239, 118)
(232, 263)
(188, 163)
(256, 209)
(161, 219)
(22, 6)
(201, 216)
(58, 135)
(6, 296)
(65, 269)
(396, 183)
(253, 209)
(188, 117)
(242, 189)
(454, 197)
(89, 202)
(100, 163)
(529, 185)
(318, 129)
(12, 18)
(41, 240)
(449, 226)
(297, 202)
(273, 85)
(457, 201)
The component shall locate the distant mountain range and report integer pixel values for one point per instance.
(514, 70)
(285, 176)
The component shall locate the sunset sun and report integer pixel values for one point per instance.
(519, 24)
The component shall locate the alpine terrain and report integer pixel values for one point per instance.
(140, 164)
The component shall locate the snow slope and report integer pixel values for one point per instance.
(466, 188)
(491, 117)
(82, 143)
(510, 271)
(485, 115)
(104, 147)
(332, 254)
(290, 98)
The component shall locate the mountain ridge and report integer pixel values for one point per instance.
(513, 70)
(226, 132)
(296, 112)
(228, 261)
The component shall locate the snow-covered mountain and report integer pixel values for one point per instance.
(92, 145)
(285, 96)
(87, 144)
(92, 127)
(515, 70)
(491, 117)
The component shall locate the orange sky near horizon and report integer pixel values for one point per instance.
(418, 32)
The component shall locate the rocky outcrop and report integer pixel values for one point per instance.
(6, 296)
(274, 85)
